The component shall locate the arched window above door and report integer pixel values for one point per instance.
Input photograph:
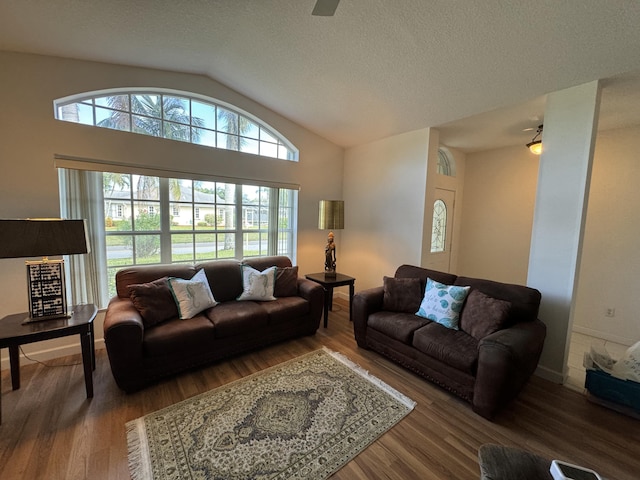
(446, 163)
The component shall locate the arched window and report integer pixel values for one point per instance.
(439, 227)
(181, 116)
(446, 164)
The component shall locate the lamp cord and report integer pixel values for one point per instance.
(46, 364)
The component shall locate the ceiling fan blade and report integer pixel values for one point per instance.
(325, 8)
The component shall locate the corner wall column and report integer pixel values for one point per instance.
(568, 140)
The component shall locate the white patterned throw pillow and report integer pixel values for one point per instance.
(257, 285)
(192, 296)
(443, 303)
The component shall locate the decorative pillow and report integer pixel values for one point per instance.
(483, 315)
(154, 301)
(286, 282)
(401, 294)
(257, 285)
(443, 303)
(192, 296)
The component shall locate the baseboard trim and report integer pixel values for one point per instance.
(341, 295)
(551, 375)
(48, 354)
(602, 335)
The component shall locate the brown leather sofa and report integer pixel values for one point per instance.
(142, 354)
(486, 369)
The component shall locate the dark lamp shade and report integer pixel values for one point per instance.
(331, 215)
(42, 237)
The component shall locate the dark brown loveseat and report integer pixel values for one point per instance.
(486, 362)
(141, 353)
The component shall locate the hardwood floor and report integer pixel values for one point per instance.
(51, 431)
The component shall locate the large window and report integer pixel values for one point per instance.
(180, 116)
(151, 220)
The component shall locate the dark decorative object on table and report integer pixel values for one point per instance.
(330, 217)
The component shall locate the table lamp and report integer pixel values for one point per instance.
(41, 237)
(331, 217)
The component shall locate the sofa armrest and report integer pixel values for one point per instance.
(123, 334)
(365, 302)
(314, 294)
(506, 360)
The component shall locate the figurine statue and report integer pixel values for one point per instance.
(330, 256)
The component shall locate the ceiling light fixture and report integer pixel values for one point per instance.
(535, 145)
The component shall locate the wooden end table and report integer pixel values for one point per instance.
(329, 283)
(13, 333)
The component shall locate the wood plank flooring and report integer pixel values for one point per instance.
(51, 431)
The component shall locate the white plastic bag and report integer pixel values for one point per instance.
(599, 358)
(628, 367)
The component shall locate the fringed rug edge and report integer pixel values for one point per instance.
(372, 378)
(138, 450)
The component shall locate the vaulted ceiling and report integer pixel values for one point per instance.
(479, 70)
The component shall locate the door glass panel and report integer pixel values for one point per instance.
(439, 226)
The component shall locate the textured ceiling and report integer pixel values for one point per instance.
(375, 69)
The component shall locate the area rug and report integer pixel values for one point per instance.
(302, 419)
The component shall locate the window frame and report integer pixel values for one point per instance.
(269, 237)
(268, 138)
(439, 227)
(446, 163)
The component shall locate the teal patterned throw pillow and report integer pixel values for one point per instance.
(443, 303)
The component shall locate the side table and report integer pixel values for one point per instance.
(329, 283)
(13, 333)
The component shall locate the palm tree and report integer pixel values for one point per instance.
(110, 181)
(155, 115)
(236, 126)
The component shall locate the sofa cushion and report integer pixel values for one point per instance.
(192, 296)
(285, 309)
(149, 273)
(399, 326)
(262, 263)
(175, 336)
(483, 315)
(236, 318)
(525, 301)
(257, 285)
(411, 271)
(453, 347)
(225, 278)
(286, 282)
(401, 294)
(154, 301)
(442, 303)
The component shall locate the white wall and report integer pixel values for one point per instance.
(497, 214)
(31, 137)
(499, 197)
(564, 177)
(609, 274)
(384, 193)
